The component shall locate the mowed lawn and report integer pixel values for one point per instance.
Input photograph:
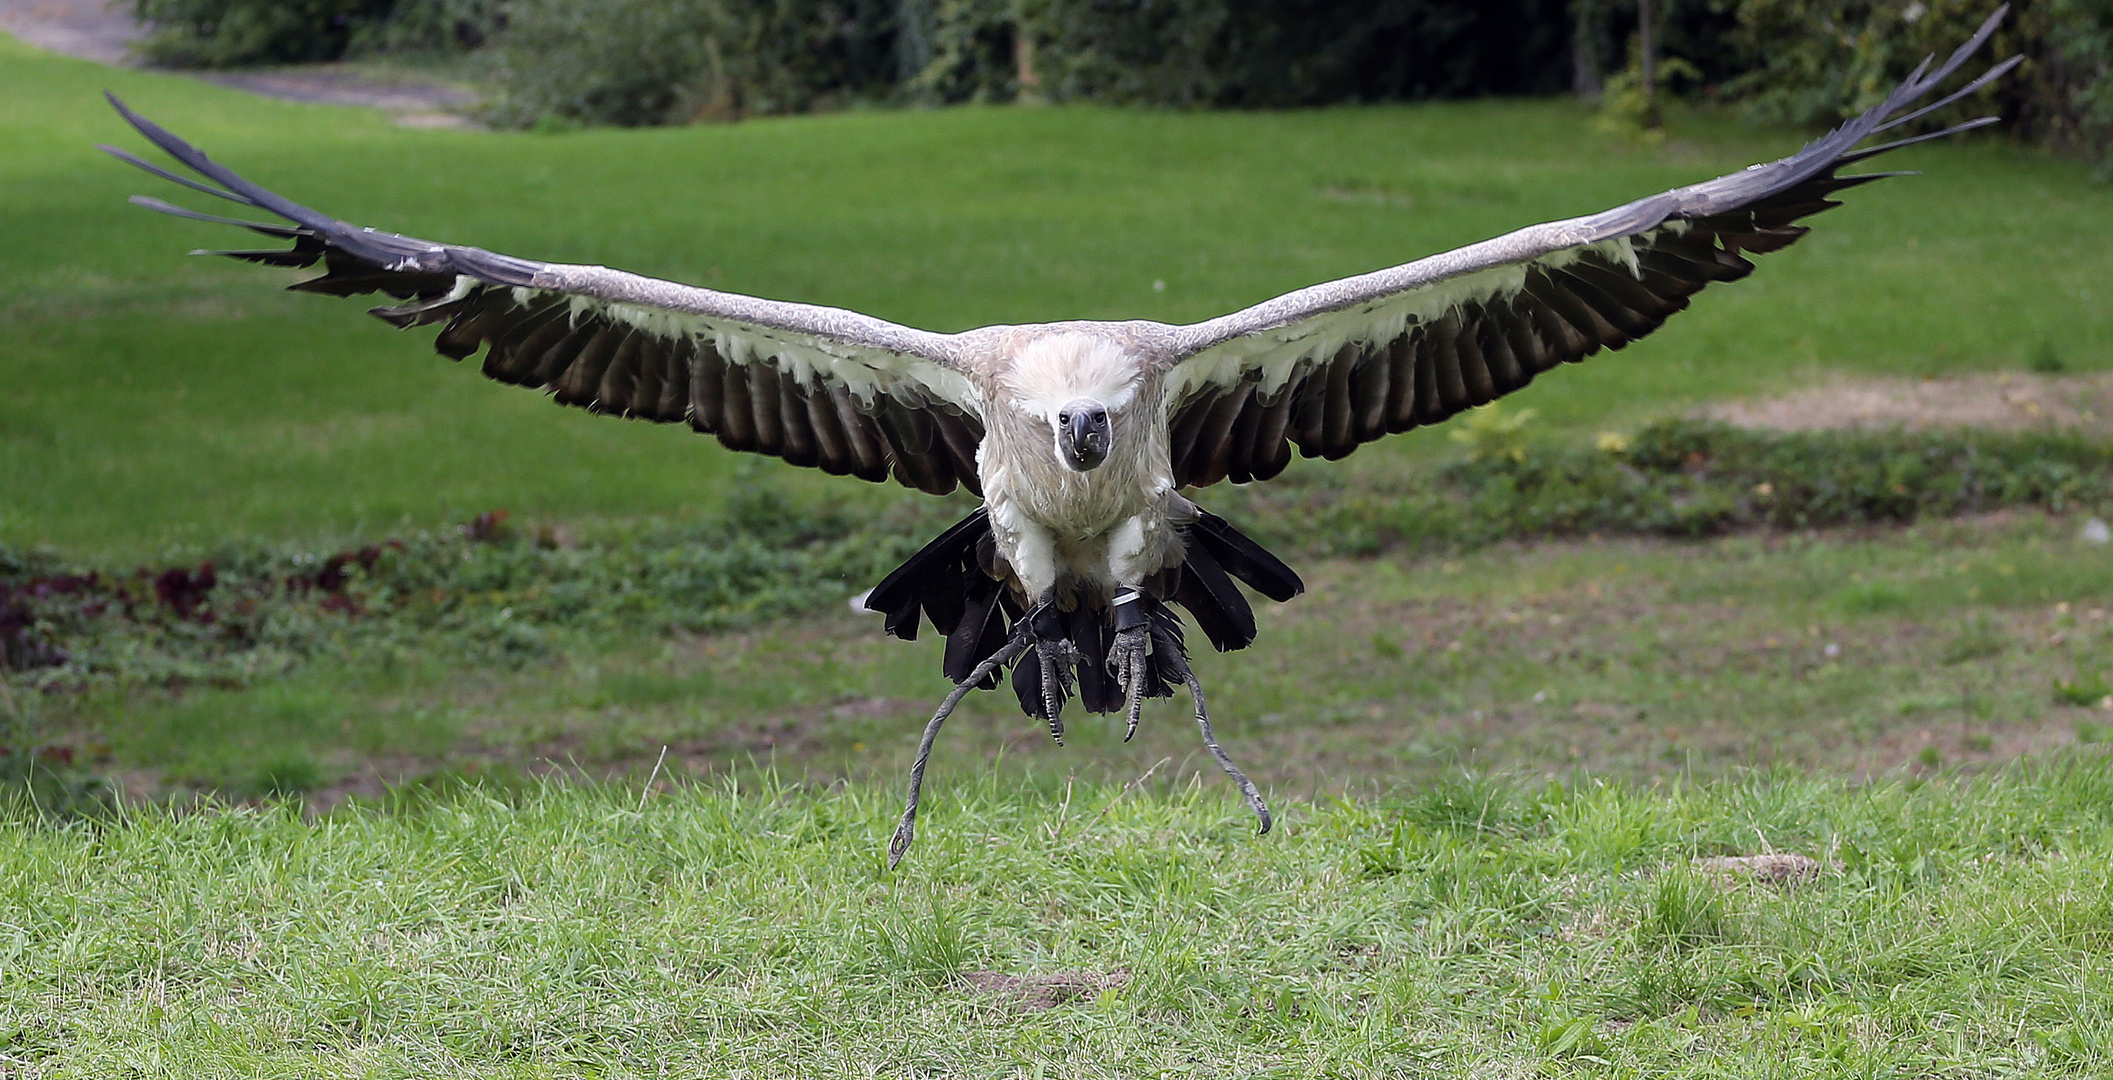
(158, 399)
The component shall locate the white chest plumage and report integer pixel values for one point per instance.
(1059, 527)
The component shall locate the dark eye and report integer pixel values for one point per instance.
(1063, 418)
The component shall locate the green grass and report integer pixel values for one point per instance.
(160, 400)
(1958, 928)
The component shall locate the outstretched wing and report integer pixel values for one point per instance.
(850, 394)
(1333, 366)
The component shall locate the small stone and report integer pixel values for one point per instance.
(2096, 532)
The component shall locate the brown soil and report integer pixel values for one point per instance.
(1036, 993)
(88, 29)
(418, 101)
(1773, 868)
(2012, 401)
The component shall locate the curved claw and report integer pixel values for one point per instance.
(1127, 662)
(1052, 691)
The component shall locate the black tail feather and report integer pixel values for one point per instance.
(1090, 634)
(984, 625)
(947, 584)
(936, 581)
(1245, 559)
(1217, 605)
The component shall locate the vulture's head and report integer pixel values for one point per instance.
(1079, 386)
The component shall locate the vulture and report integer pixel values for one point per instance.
(1086, 441)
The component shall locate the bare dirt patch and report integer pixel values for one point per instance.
(2009, 401)
(1773, 868)
(89, 29)
(1039, 993)
(418, 100)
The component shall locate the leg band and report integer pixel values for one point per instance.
(1130, 610)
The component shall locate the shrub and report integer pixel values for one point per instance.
(479, 591)
(432, 26)
(1277, 53)
(1821, 61)
(1680, 478)
(633, 62)
(231, 33)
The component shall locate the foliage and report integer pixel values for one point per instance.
(2074, 106)
(432, 26)
(1697, 33)
(2082, 690)
(1624, 107)
(232, 33)
(632, 62)
(1275, 53)
(961, 50)
(1688, 478)
(484, 591)
(1822, 61)
(1493, 431)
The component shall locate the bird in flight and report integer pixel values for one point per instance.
(1085, 440)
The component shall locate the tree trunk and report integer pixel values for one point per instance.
(1647, 46)
(1584, 51)
(1029, 84)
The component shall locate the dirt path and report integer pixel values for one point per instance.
(104, 32)
(83, 28)
(2012, 401)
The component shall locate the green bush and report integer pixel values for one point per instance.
(432, 26)
(1274, 53)
(232, 33)
(1818, 62)
(629, 62)
(634, 62)
(482, 591)
(641, 62)
(1680, 478)
(1822, 61)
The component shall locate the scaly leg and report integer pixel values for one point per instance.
(906, 832)
(1127, 658)
(1210, 742)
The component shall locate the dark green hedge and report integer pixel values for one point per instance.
(230, 33)
(1806, 62)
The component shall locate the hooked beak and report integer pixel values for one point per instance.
(1083, 435)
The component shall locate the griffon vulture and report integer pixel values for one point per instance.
(1085, 440)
